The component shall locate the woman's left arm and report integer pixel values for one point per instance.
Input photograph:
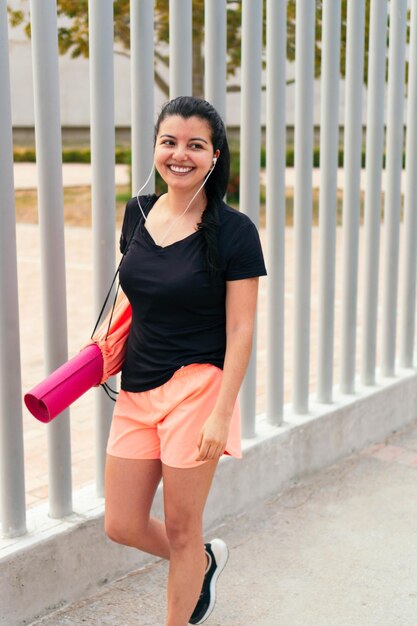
(241, 297)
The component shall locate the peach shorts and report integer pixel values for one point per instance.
(165, 422)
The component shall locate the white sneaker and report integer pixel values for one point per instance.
(217, 554)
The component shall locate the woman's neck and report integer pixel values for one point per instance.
(177, 201)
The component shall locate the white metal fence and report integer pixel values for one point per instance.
(48, 149)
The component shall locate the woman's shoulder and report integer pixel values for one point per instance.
(239, 245)
(133, 205)
(132, 217)
(231, 219)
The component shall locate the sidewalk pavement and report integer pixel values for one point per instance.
(73, 175)
(338, 548)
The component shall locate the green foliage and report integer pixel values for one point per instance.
(160, 186)
(73, 35)
(233, 186)
(123, 197)
(76, 156)
(15, 17)
(24, 155)
(71, 155)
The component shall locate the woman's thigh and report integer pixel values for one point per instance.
(185, 495)
(130, 489)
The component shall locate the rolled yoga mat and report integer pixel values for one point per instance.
(66, 384)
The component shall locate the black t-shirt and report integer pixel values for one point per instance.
(178, 310)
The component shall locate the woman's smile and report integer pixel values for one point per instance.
(180, 169)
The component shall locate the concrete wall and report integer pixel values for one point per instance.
(62, 561)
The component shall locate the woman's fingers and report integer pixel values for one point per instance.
(210, 451)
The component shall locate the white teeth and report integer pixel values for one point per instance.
(180, 170)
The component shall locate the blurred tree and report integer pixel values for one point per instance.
(73, 34)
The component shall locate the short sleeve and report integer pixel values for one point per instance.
(245, 257)
(132, 218)
(129, 220)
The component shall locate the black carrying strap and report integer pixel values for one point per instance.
(105, 386)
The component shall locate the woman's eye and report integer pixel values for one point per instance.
(167, 142)
(196, 146)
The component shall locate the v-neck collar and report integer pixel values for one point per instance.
(149, 237)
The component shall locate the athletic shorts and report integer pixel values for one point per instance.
(165, 422)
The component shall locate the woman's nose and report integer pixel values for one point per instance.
(180, 153)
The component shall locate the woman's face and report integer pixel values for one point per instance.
(184, 152)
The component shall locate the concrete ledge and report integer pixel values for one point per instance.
(60, 561)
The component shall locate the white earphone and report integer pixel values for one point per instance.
(214, 161)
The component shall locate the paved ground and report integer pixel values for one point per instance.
(337, 549)
(73, 175)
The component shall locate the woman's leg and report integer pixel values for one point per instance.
(130, 489)
(185, 495)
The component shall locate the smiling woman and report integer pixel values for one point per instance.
(190, 272)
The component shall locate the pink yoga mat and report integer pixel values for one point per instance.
(66, 384)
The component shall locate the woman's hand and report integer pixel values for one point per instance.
(213, 438)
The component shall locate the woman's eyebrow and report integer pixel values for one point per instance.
(192, 138)
(198, 139)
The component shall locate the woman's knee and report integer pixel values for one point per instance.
(125, 534)
(183, 530)
(114, 531)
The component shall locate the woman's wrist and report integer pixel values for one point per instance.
(223, 412)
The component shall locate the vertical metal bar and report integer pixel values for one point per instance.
(12, 477)
(250, 146)
(395, 143)
(215, 41)
(408, 285)
(329, 145)
(142, 81)
(103, 188)
(180, 47)
(51, 221)
(351, 196)
(374, 151)
(303, 155)
(275, 205)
